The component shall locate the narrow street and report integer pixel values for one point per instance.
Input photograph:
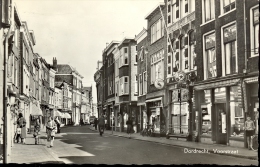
(80, 145)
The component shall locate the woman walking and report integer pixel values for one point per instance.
(129, 124)
(21, 122)
(249, 127)
(51, 128)
(37, 130)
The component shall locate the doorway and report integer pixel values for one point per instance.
(221, 123)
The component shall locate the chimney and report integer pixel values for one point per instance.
(55, 63)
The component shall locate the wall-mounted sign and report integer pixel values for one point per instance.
(159, 83)
(180, 76)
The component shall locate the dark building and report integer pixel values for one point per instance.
(227, 43)
(156, 100)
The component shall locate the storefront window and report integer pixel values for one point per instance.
(155, 119)
(144, 119)
(206, 114)
(236, 114)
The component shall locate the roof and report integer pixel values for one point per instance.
(111, 44)
(64, 69)
(125, 40)
(154, 10)
(141, 35)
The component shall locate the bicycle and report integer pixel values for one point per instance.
(254, 141)
(147, 130)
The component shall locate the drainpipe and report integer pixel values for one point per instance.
(5, 94)
(245, 34)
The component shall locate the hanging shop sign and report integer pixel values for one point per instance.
(180, 76)
(159, 83)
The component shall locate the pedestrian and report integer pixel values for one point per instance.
(81, 122)
(129, 124)
(36, 130)
(58, 124)
(101, 124)
(21, 122)
(95, 123)
(249, 128)
(51, 128)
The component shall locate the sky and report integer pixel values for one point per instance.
(76, 31)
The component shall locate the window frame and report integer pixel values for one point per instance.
(205, 55)
(252, 32)
(157, 25)
(204, 8)
(224, 70)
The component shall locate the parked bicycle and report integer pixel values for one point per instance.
(254, 141)
(148, 130)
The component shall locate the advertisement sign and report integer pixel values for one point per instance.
(223, 121)
(177, 110)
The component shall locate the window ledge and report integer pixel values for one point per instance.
(254, 55)
(207, 22)
(226, 13)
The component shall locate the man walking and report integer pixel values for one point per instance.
(101, 124)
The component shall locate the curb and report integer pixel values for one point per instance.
(210, 151)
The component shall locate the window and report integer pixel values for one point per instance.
(210, 56)
(140, 85)
(136, 84)
(157, 30)
(229, 60)
(192, 54)
(144, 83)
(16, 37)
(124, 85)
(255, 31)
(123, 57)
(228, 5)
(157, 66)
(208, 10)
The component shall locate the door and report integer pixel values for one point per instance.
(221, 123)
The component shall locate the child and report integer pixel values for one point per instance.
(249, 128)
(18, 134)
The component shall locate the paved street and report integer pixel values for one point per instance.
(80, 145)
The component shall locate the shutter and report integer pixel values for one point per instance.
(177, 45)
(186, 40)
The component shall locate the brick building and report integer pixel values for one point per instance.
(142, 44)
(226, 91)
(156, 71)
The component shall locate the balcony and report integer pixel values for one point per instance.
(182, 22)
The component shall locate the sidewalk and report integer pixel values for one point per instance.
(238, 152)
(31, 153)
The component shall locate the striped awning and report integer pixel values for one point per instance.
(67, 115)
(57, 113)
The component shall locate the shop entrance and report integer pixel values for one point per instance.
(221, 123)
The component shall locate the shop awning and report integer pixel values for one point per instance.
(62, 115)
(67, 115)
(155, 99)
(36, 110)
(217, 84)
(57, 113)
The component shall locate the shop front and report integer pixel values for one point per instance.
(179, 112)
(220, 113)
(155, 116)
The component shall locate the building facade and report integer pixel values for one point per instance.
(156, 99)
(142, 47)
(226, 92)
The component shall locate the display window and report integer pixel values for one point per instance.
(236, 114)
(206, 127)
